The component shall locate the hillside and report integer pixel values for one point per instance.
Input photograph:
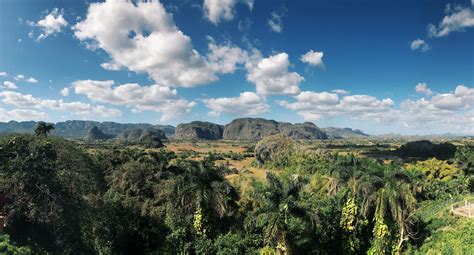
(257, 128)
(338, 133)
(79, 128)
(95, 133)
(199, 130)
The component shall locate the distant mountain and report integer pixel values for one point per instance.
(80, 128)
(136, 135)
(343, 133)
(258, 128)
(95, 133)
(18, 127)
(149, 137)
(199, 130)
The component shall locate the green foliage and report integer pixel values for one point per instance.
(121, 200)
(382, 242)
(279, 213)
(46, 182)
(434, 169)
(348, 225)
(443, 233)
(237, 243)
(7, 247)
(465, 159)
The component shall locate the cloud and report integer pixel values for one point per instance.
(457, 18)
(21, 77)
(340, 91)
(139, 98)
(275, 22)
(3, 74)
(21, 115)
(466, 93)
(225, 58)
(271, 76)
(111, 66)
(219, 10)
(51, 24)
(65, 92)
(314, 106)
(26, 101)
(462, 98)
(420, 45)
(31, 80)
(9, 85)
(449, 112)
(313, 58)
(145, 40)
(246, 104)
(422, 88)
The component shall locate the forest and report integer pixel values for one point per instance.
(66, 197)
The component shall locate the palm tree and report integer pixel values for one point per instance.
(279, 203)
(43, 128)
(202, 189)
(387, 197)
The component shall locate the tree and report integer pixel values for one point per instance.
(46, 182)
(392, 191)
(278, 209)
(43, 128)
(203, 190)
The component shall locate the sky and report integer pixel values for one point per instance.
(383, 66)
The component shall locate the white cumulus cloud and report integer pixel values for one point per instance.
(271, 76)
(9, 85)
(65, 92)
(458, 18)
(111, 66)
(422, 88)
(145, 40)
(51, 24)
(31, 80)
(21, 115)
(225, 58)
(447, 112)
(246, 104)
(340, 91)
(21, 77)
(218, 10)
(139, 98)
(28, 102)
(317, 105)
(313, 58)
(420, 45)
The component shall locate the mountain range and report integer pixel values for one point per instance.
(238, 129)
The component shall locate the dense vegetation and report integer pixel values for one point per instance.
(65, 199)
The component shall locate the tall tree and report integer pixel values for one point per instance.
(202, 188)
(278, 205)
(43, 128)
(387, 196)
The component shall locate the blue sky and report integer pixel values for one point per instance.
(381, 66)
